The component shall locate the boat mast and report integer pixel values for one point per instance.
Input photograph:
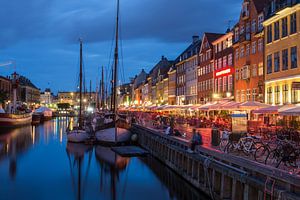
(102, 89)
(115, 82)
(80, 86)
(112, 91)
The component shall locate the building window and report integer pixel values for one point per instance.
(242, 95)
(260, 45)
(295, 96)
(230, 60)
(224, 61)
(229, 43)
(220, 84)
(230, 83)
(254, 47)
(248, 50)
(237, 74)
(248, 94)
(260, 69)
(236, 54)
(216, 85)
(254, 70)
(245, 73)
(242, 52)
(276, 62)
(260, 22)
(236, 35)
(284, 27)
(285, 94)
(293, 25)
(224, 83)
(269, 34)
(285, 59)
(276, 30)
(277, 95)
(294, 57)
(269, 95)
(219, 63)
(269, 64)
(253, 26)
(254, 94)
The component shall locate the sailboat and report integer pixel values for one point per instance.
(79, 134)
(14, 117)
(114, 135)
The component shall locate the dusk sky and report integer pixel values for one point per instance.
(42, 35)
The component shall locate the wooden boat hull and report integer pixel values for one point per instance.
(12, 120)
(78, 136)
(36, 119)
(46, 118)
(107, 136)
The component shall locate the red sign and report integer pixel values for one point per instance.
(223, 72)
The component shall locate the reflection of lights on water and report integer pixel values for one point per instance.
(60, 135)
(7, 147)
(33, 134)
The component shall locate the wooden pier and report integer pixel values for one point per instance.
(219, 175)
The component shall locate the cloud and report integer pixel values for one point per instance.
(42, 35)
(164, 20)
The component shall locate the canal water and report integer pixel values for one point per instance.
(36, 163)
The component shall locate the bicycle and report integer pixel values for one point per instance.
(286, 153)
(246, 144)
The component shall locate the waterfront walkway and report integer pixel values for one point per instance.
(206, 136)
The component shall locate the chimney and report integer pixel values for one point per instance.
(195, 38)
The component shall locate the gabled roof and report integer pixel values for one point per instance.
(213, 36)
(260, 5)
(190, 51)
(26, 82)
(161, 68)
(210, 38)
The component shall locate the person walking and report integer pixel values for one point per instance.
(196, 140)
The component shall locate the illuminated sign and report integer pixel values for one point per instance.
(224, 72)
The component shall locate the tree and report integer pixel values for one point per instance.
(3, 96)
(63, 106)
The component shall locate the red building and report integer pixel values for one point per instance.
(224, 68)
(206, 68)
(248, 52)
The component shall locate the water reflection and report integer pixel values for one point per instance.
(76, 154)
(39, 157)
(13, 143)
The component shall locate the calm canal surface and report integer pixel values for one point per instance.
(37, 163)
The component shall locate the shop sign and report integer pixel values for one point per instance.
(223, 72)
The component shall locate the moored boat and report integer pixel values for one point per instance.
(14, 120)
(36, 118)
(78, 136)
(46, 113)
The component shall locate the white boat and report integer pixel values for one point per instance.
(77, 136)
(108, 135)
(45, 112)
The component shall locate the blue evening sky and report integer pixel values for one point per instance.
(41, 36)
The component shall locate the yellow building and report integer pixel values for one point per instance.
(282, 65)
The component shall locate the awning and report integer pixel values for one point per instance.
(295, 111)
(268, 110)
(252, 105)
